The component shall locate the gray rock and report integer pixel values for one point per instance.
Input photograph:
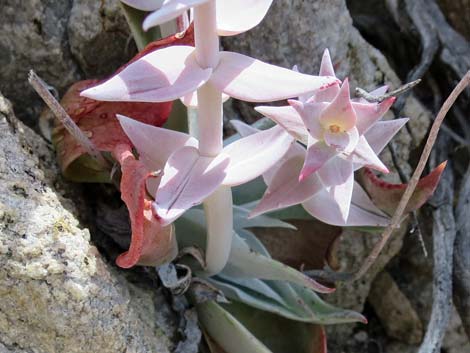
(99, 37)
(33, 35)
(63, 41)
(394, 310)
(58, 295)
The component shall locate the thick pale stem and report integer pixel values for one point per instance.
(205, 35)
(219, 220)
(218, 206)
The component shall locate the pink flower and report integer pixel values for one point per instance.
(341, 136)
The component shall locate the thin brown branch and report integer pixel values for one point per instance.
(397, 217)
(378, 99)
(41, 88)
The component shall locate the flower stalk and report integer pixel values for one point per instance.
(218, 206)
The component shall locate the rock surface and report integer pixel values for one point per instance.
(57, 294)
(99, 37)
(394, 310)
(63, 41)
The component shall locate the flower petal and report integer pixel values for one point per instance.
(339, 140)
(310, 115)
(362, 211)
(286, 190)
(368, 113)
(326, 66)
(364, 155)
(252, 80)
(317, 155)
(335, 172)
(170, 10)
(288, 118)
(340, 112)
(188, 178)
(234, 17)
(342, 194)
(154, 144)
(380, 134)
(144, 5)
(251, 156)
(326, 69)
(160, 76)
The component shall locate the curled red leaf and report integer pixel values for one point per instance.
(151, 244)
(387, 195)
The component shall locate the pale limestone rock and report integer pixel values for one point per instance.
(57, 294)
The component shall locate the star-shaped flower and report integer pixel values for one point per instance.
(341, 136)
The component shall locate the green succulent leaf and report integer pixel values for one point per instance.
(279, 334)
(244, 262)
(227, 331)
(290, 300)
(241, 221)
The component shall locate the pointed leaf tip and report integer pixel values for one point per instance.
(387, 195)
(252, 80)
(163, 75)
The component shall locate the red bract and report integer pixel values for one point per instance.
(151, 244)
(387, 195)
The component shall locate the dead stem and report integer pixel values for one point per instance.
(378, 99)
(396, 219)
(398, 215)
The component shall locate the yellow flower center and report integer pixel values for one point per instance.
(335, 129)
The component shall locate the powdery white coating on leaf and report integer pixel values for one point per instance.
(369, 113)
(163, 75)
(380, 134)
(288, 118)
(317, 155)
(154, 144)
(170, 10)
(364, 155)
(324, 207)
(252, 80)
(234, 17)
(188, 178)
(253, 155)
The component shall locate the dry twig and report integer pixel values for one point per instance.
(42, 89)
(398, 215)
(396, 219)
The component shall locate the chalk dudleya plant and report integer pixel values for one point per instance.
(308, 155)
(200, 170)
